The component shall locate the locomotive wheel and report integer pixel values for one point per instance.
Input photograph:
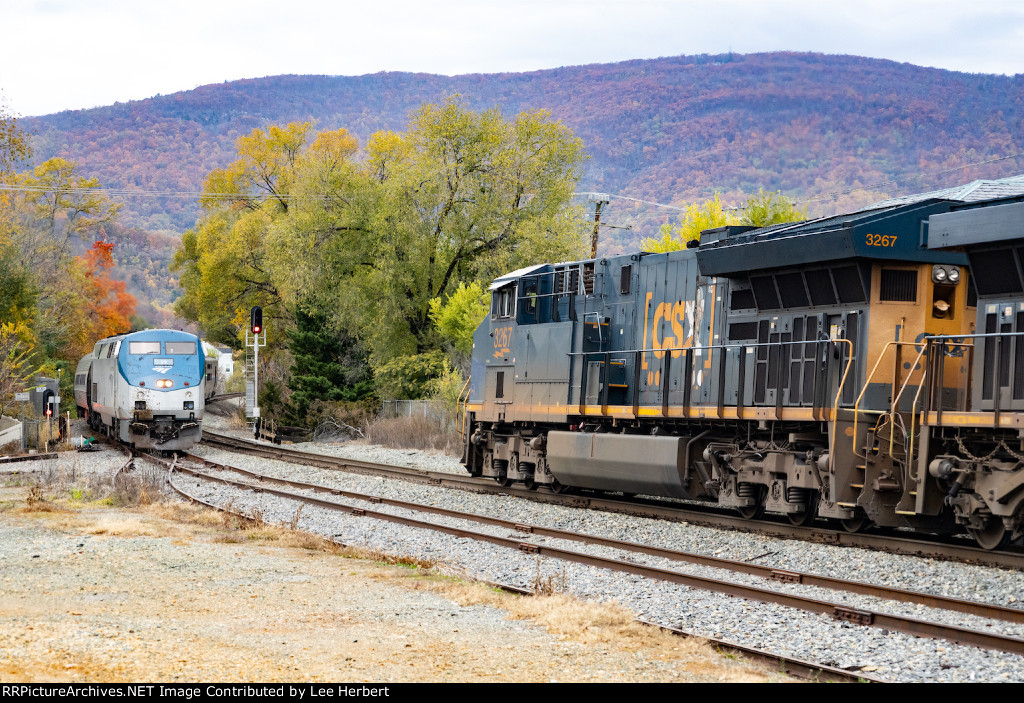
(756, 511)
(855, 524)
(503, 480)
(529, 484)
(557, 487)
(810, 512)
(992, 536)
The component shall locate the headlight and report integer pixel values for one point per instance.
(954, 275)
(940, 275)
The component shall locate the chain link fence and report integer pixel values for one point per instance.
(38, 434)
(432, 409)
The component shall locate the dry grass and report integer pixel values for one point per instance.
(415, 432)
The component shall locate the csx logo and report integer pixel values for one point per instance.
(671, 315)
(502, 341)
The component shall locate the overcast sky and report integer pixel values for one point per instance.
(70, 54)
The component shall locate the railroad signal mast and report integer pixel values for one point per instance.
(252, 362)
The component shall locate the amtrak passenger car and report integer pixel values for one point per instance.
(144, 388)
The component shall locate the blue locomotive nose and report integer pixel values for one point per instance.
(163, 366)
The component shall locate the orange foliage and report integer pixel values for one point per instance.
(109, 305)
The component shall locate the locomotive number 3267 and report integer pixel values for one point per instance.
(881, 240)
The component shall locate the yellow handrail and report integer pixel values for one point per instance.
(839, 394)
(459, 412)
(896, 400)
(867, 382)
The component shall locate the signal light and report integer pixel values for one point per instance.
(48, 402)
(256, 319)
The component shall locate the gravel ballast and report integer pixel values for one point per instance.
(887, 655)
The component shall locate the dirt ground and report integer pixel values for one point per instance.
(168, 592)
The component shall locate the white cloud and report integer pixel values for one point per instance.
(82, 54)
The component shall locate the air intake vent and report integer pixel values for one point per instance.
(898, 286)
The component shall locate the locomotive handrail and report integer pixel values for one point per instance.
(459, 404)
(867, 382)
(958, 339)
(896, 404)
(667, 354)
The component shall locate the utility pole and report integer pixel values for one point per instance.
(599, 200)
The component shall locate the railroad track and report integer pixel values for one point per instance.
(888, 541)
(983, 638)
(789, 665)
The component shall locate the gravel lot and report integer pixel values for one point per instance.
(167, 592)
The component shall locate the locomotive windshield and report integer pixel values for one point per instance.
(143, 347)
(180, 347)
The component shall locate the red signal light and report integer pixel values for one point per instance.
(256, 319)
(49, 411)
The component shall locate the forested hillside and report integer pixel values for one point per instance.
(670, 129)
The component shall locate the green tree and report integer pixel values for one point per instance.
(457, 318)
(760, 210)
(298, 221)
(464, 196)
(768, 208)
(695, 219)
(326, 366)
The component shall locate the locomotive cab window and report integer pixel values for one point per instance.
(181, 347)
(528, 301)
(502, 302)
(143, 347)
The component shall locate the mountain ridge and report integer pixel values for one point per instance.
(672, 129)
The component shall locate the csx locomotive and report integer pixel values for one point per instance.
(865, 368)
(144, 388)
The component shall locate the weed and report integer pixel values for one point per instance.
(295, 519)
(79, 494)
(549, 585)
(415, 432)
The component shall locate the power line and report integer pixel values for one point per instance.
(633, 200)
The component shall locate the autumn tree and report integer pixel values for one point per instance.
(306, 224)
(760, 210)
(770, 208)
(14, 146)
(464, 196)
(111, 307)
(57, 204)
(694, 219)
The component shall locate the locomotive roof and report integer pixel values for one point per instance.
(729, 250)
(975, 191)
(981, 223)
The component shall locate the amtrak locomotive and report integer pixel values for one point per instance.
(144, 388)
